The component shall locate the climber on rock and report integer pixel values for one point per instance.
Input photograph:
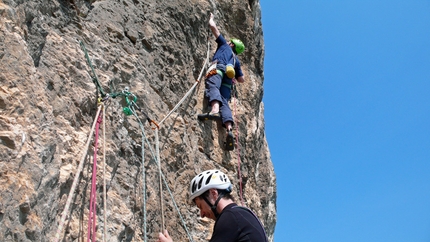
(210, 191)
(219, 80)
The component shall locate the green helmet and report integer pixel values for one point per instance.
(239, 47)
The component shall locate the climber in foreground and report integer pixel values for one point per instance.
(219, 80)
(210, 191)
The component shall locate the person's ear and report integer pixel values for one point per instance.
(214, 192)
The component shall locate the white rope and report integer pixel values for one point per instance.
(191, 89)
(75, 180)
(157, 147)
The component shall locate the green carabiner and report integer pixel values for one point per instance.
(128, 101)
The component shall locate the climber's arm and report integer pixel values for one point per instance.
(213, 27)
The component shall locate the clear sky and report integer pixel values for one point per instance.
(347, 110)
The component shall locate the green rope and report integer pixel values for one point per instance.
(94, 76)
(164, 180)
(143, 176)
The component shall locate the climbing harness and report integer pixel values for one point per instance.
(212, 70)
(211, 73)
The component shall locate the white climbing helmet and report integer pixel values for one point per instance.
(207, 180)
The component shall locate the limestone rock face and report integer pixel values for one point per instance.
(49, 101)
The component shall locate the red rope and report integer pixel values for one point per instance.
(238, 152)
(93, 212)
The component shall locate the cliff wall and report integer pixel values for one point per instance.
(49, 101)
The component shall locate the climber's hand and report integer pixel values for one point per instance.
(164, 237)
(240, 79)
(211, 20)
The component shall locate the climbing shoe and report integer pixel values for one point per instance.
(209, 116)
(229, 143)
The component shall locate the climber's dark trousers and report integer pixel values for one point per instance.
(215, 91)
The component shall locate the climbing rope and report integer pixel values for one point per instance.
(94, 76)
(177, 208)
(158, 127)
(128, 110)
(75, 180)
(157, 148)
(92, 218)
(144, 138)
(104, 177)
(143, 174)
(192, 88)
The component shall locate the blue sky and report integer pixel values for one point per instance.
(347, 111)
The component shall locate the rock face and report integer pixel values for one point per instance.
(49, 101)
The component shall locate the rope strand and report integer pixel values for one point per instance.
(92, 208)
(104, 177)
(157, 147)
(92, 218)
(143, 173)
(144, 138)
(75, 181)
(192, 88)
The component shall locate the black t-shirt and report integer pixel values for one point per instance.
(238, 224)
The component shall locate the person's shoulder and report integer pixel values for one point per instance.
(241, 210)
(235, 209)
(229, 208)
(221, 39)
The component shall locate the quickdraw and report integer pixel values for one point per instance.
(130, 100)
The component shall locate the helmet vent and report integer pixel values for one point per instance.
(193, 189)
(208, 179)
(200, 184)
